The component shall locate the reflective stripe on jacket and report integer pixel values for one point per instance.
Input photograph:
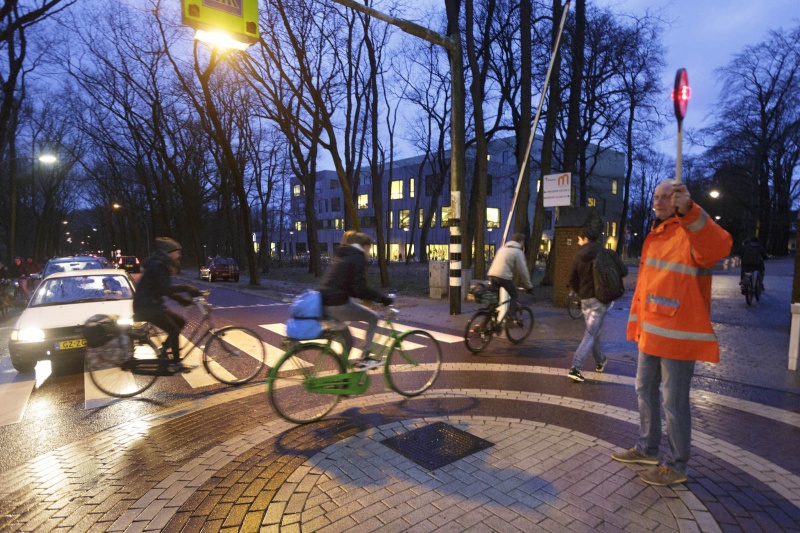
(671, 309)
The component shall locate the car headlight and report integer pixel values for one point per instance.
(128, 321)
(27, 335)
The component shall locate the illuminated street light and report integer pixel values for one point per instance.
(220, 40)
(714, 194)
(48, 159)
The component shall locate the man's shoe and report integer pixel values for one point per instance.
(602, 366)
(663, 476)
(179, 368)
(367, 363)
(576, 375)
(634, 456)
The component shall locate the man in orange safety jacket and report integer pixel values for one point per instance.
(671, 322)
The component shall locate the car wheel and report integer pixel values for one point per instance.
(22, 366)
(236, 279)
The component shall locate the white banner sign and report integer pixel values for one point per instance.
(557, 190)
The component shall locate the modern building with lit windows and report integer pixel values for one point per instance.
(410, 202)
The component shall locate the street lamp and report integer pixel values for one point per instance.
(714, 193)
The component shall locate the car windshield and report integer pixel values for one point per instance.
(223, 262)
(68, 266)
(76, 289)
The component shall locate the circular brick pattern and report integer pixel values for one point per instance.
(536, 476)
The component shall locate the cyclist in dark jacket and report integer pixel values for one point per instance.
(346, 278)
(155, 283)
(753, 257)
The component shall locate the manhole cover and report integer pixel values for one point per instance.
(436, 445)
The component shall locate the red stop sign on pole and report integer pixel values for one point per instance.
(681, 94)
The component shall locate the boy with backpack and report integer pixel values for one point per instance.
(596, 277)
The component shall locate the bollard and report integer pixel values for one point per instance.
(794, 337)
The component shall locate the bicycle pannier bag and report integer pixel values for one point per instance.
(304, 328)
(484, 294)
(306, 305)
(306, 316)
(99, 329)
(607, 277)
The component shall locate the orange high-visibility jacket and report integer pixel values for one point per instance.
(671, 310)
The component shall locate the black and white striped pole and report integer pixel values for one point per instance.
(681, 92)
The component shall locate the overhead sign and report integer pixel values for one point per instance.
(557, 190)
(236, 19)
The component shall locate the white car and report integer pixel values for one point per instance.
(50, 327)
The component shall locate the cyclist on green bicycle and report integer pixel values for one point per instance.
(148, 301)
(509, 266)
(346, 279)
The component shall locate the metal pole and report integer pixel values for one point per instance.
(535, 124)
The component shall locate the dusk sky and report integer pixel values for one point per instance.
(705, 35)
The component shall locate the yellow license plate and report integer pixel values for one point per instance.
(69, 345)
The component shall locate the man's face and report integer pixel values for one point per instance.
(662, 201)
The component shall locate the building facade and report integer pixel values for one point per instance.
(410, 203)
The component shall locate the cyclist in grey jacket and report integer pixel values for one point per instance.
(509, 269)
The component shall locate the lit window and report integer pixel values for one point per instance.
(591, 202)
(334, 184)
(396, 190)
(339, 223)
(411, 188)
(421, 218)
(298, 226)
(390, 223)
(614, 186)
(613, 229)
(403, 219)
(492, 217)
(445, 217)
(363, 201)
(297, 190)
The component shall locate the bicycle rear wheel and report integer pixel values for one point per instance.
(748, 291)
(757, 287)
(234, 355)
(521, 326)
(106, 371)
(413, 363)
(285, 384)
(479, 331)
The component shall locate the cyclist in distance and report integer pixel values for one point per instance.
(148, 301)
(753, 256)
(345, 279)
(510, 269)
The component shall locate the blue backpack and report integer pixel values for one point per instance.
(305, 314)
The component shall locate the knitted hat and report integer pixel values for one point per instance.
(167, 245)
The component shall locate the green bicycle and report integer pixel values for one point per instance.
(311, 377)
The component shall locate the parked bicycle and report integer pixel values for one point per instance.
(485, 324)
(311, 377)
(574, 305)
(130, 362)
(751, 286)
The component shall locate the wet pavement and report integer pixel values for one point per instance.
(225, 461)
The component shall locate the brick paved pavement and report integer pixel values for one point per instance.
(225, 462)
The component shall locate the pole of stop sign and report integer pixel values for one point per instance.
(681, 93)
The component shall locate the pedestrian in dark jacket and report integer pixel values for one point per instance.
(154, 285)
(581, 280)
(345, 279)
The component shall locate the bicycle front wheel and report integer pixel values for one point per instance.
(286, 383)
(104, 365)
(479, 331)
(517, 330)
(234, 355)
(413, 363)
